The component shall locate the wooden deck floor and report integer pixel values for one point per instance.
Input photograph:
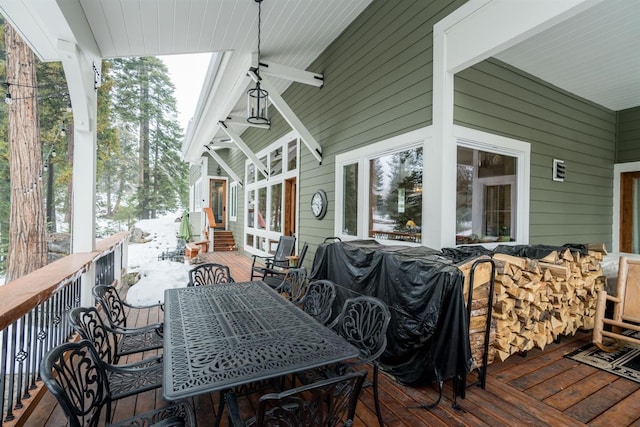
(542, 389)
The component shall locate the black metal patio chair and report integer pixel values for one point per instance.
(293, 285)
(318, 300)
(126, 379)
(286, 245)
(176, 255)
(134, 340)
(273, 276)
(209, 274)
(77, 378)
(363, 322)
(330, 402)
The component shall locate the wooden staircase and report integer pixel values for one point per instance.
(223, 241)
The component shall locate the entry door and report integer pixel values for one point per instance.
(218, 199)
(290, 207)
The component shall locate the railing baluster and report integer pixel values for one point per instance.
(27, 336)
(4, 339)
(11, 349)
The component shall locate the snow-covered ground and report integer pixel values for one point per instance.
(155, 275)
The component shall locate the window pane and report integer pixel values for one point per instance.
(260, 174)
(350, 199)
(292, 155)
(249, 240)
(276, 207)
(485, 197)
(251, 204)
(276, 162)
(251, 173)
(395, 196)
(262, 207)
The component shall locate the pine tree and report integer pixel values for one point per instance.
(27, 243)
(144, 104)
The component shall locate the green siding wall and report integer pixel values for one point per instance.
(628, 147)
(497, 98)
(378, 84)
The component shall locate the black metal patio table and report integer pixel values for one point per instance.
(222, 336)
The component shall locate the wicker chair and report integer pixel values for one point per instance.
(331, 402)
(77, 378)
(318, 300)
(209, 274)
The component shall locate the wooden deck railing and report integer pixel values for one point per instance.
(33, 318)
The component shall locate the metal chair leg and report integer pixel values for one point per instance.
(376, 400)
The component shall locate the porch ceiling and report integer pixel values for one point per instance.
(595, 55)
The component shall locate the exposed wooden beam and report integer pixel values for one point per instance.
(290, 117)
(215, 156)
(290, 73)
(244, 122)
(244, 147)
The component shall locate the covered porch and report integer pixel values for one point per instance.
(537, 388)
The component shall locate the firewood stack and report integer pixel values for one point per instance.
(536, 301)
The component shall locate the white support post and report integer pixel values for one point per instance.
(245, 148)
(290, 117)
(79, 70)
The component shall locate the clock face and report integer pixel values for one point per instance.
(319, 204)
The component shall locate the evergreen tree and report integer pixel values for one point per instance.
(144, 103)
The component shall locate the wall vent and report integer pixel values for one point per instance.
(558, 170)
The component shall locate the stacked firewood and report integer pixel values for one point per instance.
(535, 301)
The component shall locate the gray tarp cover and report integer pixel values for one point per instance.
(428, 336)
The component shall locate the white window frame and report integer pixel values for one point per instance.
(362, 156)
(488, 142)
(233, 201)
(268, 183)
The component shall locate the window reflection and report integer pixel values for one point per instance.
(395, 196)
(350, 200)
(276, 208)
(485, 197)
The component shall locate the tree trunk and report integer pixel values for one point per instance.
(27, 242)
(144, 144)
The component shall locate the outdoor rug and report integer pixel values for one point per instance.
(624, 362)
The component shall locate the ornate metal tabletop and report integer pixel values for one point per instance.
(221, 336)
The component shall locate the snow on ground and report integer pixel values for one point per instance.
(155, 275)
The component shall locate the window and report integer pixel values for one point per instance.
(395, 196)
(379, 190)
(292, 155)
(350, 199)
(233, 201)
(275, 222)
(485, 197)
(492, 189)
(271, 211)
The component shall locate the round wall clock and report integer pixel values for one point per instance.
(319, 204)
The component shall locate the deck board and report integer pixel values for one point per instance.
(540, 388)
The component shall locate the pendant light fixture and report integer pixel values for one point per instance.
(258, 98)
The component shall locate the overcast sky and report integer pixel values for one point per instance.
(187, 73)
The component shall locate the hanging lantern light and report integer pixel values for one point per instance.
(257, 97)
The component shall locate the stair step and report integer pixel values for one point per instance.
(223, 241)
